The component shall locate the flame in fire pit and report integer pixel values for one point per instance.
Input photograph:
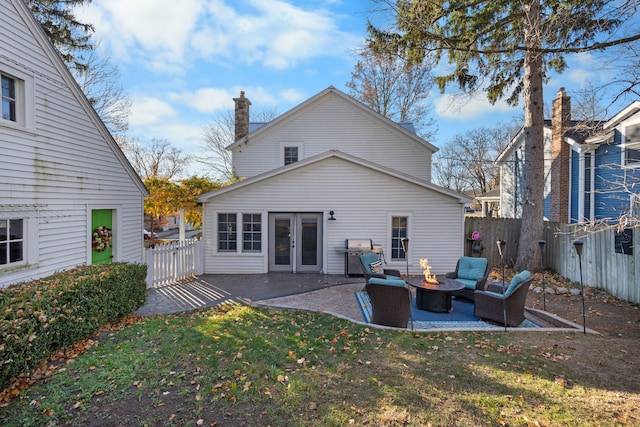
(428, 277)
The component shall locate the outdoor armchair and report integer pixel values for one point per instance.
(371, 266)
(503, 304)
(390, 302)
(472, 272)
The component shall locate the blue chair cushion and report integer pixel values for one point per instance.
(390, 282)
(517, 279)
(390, 277)
(494, 294)
(367, 259)
(468, 283)
(471, 268)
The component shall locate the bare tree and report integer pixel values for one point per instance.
(588, 103)
(158, 160)
(219, 134)
(100, 83)
(394, 87)
(447, 172)
(467, 162)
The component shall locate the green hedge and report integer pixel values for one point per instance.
(40, 317)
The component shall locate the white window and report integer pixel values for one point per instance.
(631, 146)
(12, 242)
(635, 205)
(290, 155)
(8, 98)
(17, 109)
(251, 232)
(399, 230)
(227, 232)
(291, 152)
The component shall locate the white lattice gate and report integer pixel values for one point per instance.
(172, 261)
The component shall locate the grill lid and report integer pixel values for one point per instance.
(358, 243)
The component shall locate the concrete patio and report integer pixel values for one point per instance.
(331, 294)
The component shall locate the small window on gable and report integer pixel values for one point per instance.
(9, 98)
(631, 147)
(290, 155)
(17, 108)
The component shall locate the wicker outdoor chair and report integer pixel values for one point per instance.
(472, 272)
(367, 260)
(390, 303)
(499, 304)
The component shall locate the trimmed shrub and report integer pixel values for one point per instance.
(40, 317)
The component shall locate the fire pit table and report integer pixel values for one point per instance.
(435, 297)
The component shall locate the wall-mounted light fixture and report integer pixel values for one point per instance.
(331, 217)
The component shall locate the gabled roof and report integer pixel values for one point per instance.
(608, 128)
(516, 141)
(400, 128)
(306, 163)
(46, 45)
(626, 112)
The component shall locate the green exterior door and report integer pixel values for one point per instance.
(101, 236)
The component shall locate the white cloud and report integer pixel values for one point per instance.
(154, 29)
(456, 107)
(167, 37)
(148, 111)
(205, 100)
(292, 96)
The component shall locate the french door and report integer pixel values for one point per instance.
(295, 242)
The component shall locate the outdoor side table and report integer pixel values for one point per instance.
(436, 297)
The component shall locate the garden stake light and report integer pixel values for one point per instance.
(405, 248)
(578, 245)
(544, 291)
(501, 245)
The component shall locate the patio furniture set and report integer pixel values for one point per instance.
(391, 296)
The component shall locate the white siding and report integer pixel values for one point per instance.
(62, 168)
(332, 123)
(363, 200)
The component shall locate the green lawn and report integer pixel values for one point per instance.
(245, 366)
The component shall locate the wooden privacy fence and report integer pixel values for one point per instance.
(609, 262)
(172, 261)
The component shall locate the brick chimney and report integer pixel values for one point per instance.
(560, 152)
(241, 116)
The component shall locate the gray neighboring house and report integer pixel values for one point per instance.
(328, 170)
(63, 177)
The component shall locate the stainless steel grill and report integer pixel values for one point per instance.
(353, 249)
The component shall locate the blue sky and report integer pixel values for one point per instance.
(182, 62)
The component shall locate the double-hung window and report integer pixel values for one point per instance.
(290, 155)
(631, 147)
(251, 232)
(635, 205)
(399, 230)
(9, 98)
(17, 108)
(12, 242)
(227, 232)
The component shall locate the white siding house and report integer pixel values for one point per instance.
(353, 175)
(62, 174)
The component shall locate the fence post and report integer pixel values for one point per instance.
(148, 256)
